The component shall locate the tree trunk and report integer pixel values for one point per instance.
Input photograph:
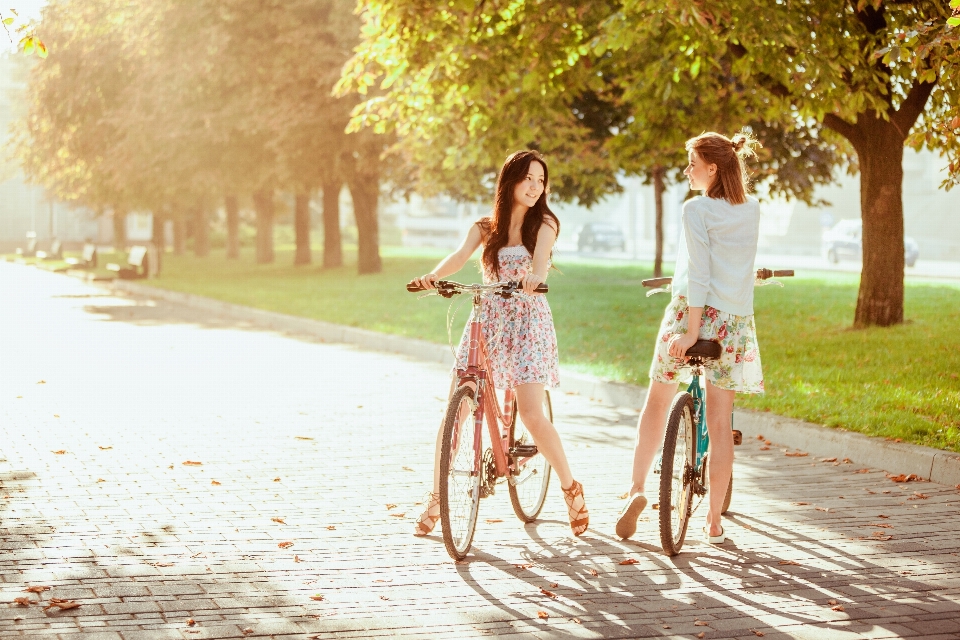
(366, 194)
(301, 225)
(179, 235)
(263, 203)
(233, 226)
(880, 155)
(119, 229)
(658, 188)
(332, 243)
(159, 239)
(201, 232)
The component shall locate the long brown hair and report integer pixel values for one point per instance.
(732, 183)
(496, 227)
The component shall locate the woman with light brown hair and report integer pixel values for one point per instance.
(712, 300)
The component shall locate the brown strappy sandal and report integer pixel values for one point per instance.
(426, 522)
(579, 518)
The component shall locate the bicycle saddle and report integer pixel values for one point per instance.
(706, 349)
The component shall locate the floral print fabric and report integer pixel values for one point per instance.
(519, 334)
(738, 368)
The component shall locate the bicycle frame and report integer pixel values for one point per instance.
(487, 403)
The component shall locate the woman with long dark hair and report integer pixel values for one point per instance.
(517, 240)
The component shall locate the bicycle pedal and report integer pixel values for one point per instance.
(737, 437)
(523, 451)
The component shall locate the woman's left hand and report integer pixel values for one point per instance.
(680, 343)
(530, 282)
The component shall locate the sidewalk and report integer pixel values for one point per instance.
(894, 457)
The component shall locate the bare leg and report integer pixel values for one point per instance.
(530, 407)
(719, 410)
(425, 523)
(650, 430)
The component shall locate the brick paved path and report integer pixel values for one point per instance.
(103, 400)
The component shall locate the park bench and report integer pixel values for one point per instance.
(55, 253)
(87, 260)
(137, 266)
(31, 249)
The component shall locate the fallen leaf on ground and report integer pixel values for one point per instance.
(163, 564)
(391, 506)
(824, 509)
(594, 572)
(882, 525)
(285, 545)
(801, 504)
(627, 494)
(297, 559)
(759, 634)
(23, 601)
(215, 483)
(918, 496)
(543, 615)
(869, 491)
(105, 448)
(317, 597)
(577, 620)
(549, 594)
(493, 520)
(838, 607)
(666, 626)
(407, 469)
(793, 562)
(847, 461)
(882, 516)
(828, 460)
(331, 527)
(60, 452)
(402, 514)
(912, 477)
(656, 505)
(700, 623)
(246, 631)
(42, 382)
(764, 448)
(522, 566)
(37, 589)
(701, 635)
(278, 520)
(630, 561)
(276, 479)
(56, 415)
(862, 471)
(100, 480)
(832, 602)
(384, 598)
(759, 437)
(797, 454)
(879, 535)
(555, 585)
(191, 622)
(302, 438)
(61, 604)
(192, 463)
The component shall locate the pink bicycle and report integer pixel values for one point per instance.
(471, 465)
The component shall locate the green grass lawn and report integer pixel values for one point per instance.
(900, 382)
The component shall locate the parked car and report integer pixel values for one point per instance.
(844, 242)
(597, 236)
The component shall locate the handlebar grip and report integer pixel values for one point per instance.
(764, 274)
(413, 287)
(783, 273)
(542, 288)
(656, 282)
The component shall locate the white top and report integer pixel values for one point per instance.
(716, 254)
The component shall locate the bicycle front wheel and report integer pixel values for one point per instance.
(459, 473)
(528, 488)
(676, 474)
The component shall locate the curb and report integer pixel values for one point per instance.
(895, 457)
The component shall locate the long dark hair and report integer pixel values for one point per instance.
(729, 154)
(496, 227)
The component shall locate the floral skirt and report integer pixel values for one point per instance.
(738, 368)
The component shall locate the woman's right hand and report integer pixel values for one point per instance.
(427, 281)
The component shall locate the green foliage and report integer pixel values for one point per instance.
(898, 382)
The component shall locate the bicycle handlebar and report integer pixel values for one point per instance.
(448, 288)
(762, 274)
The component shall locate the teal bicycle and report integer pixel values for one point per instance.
(682, 465)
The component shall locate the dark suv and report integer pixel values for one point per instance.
(844, 242)
(600, 236)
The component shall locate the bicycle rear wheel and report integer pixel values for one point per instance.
(528, 489)
(676, 474)
(459, 475)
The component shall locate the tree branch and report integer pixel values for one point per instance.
(911, 108)
(844, 128)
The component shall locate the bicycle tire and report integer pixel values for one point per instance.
(459, 480)
(676, 484)
(528, 490)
